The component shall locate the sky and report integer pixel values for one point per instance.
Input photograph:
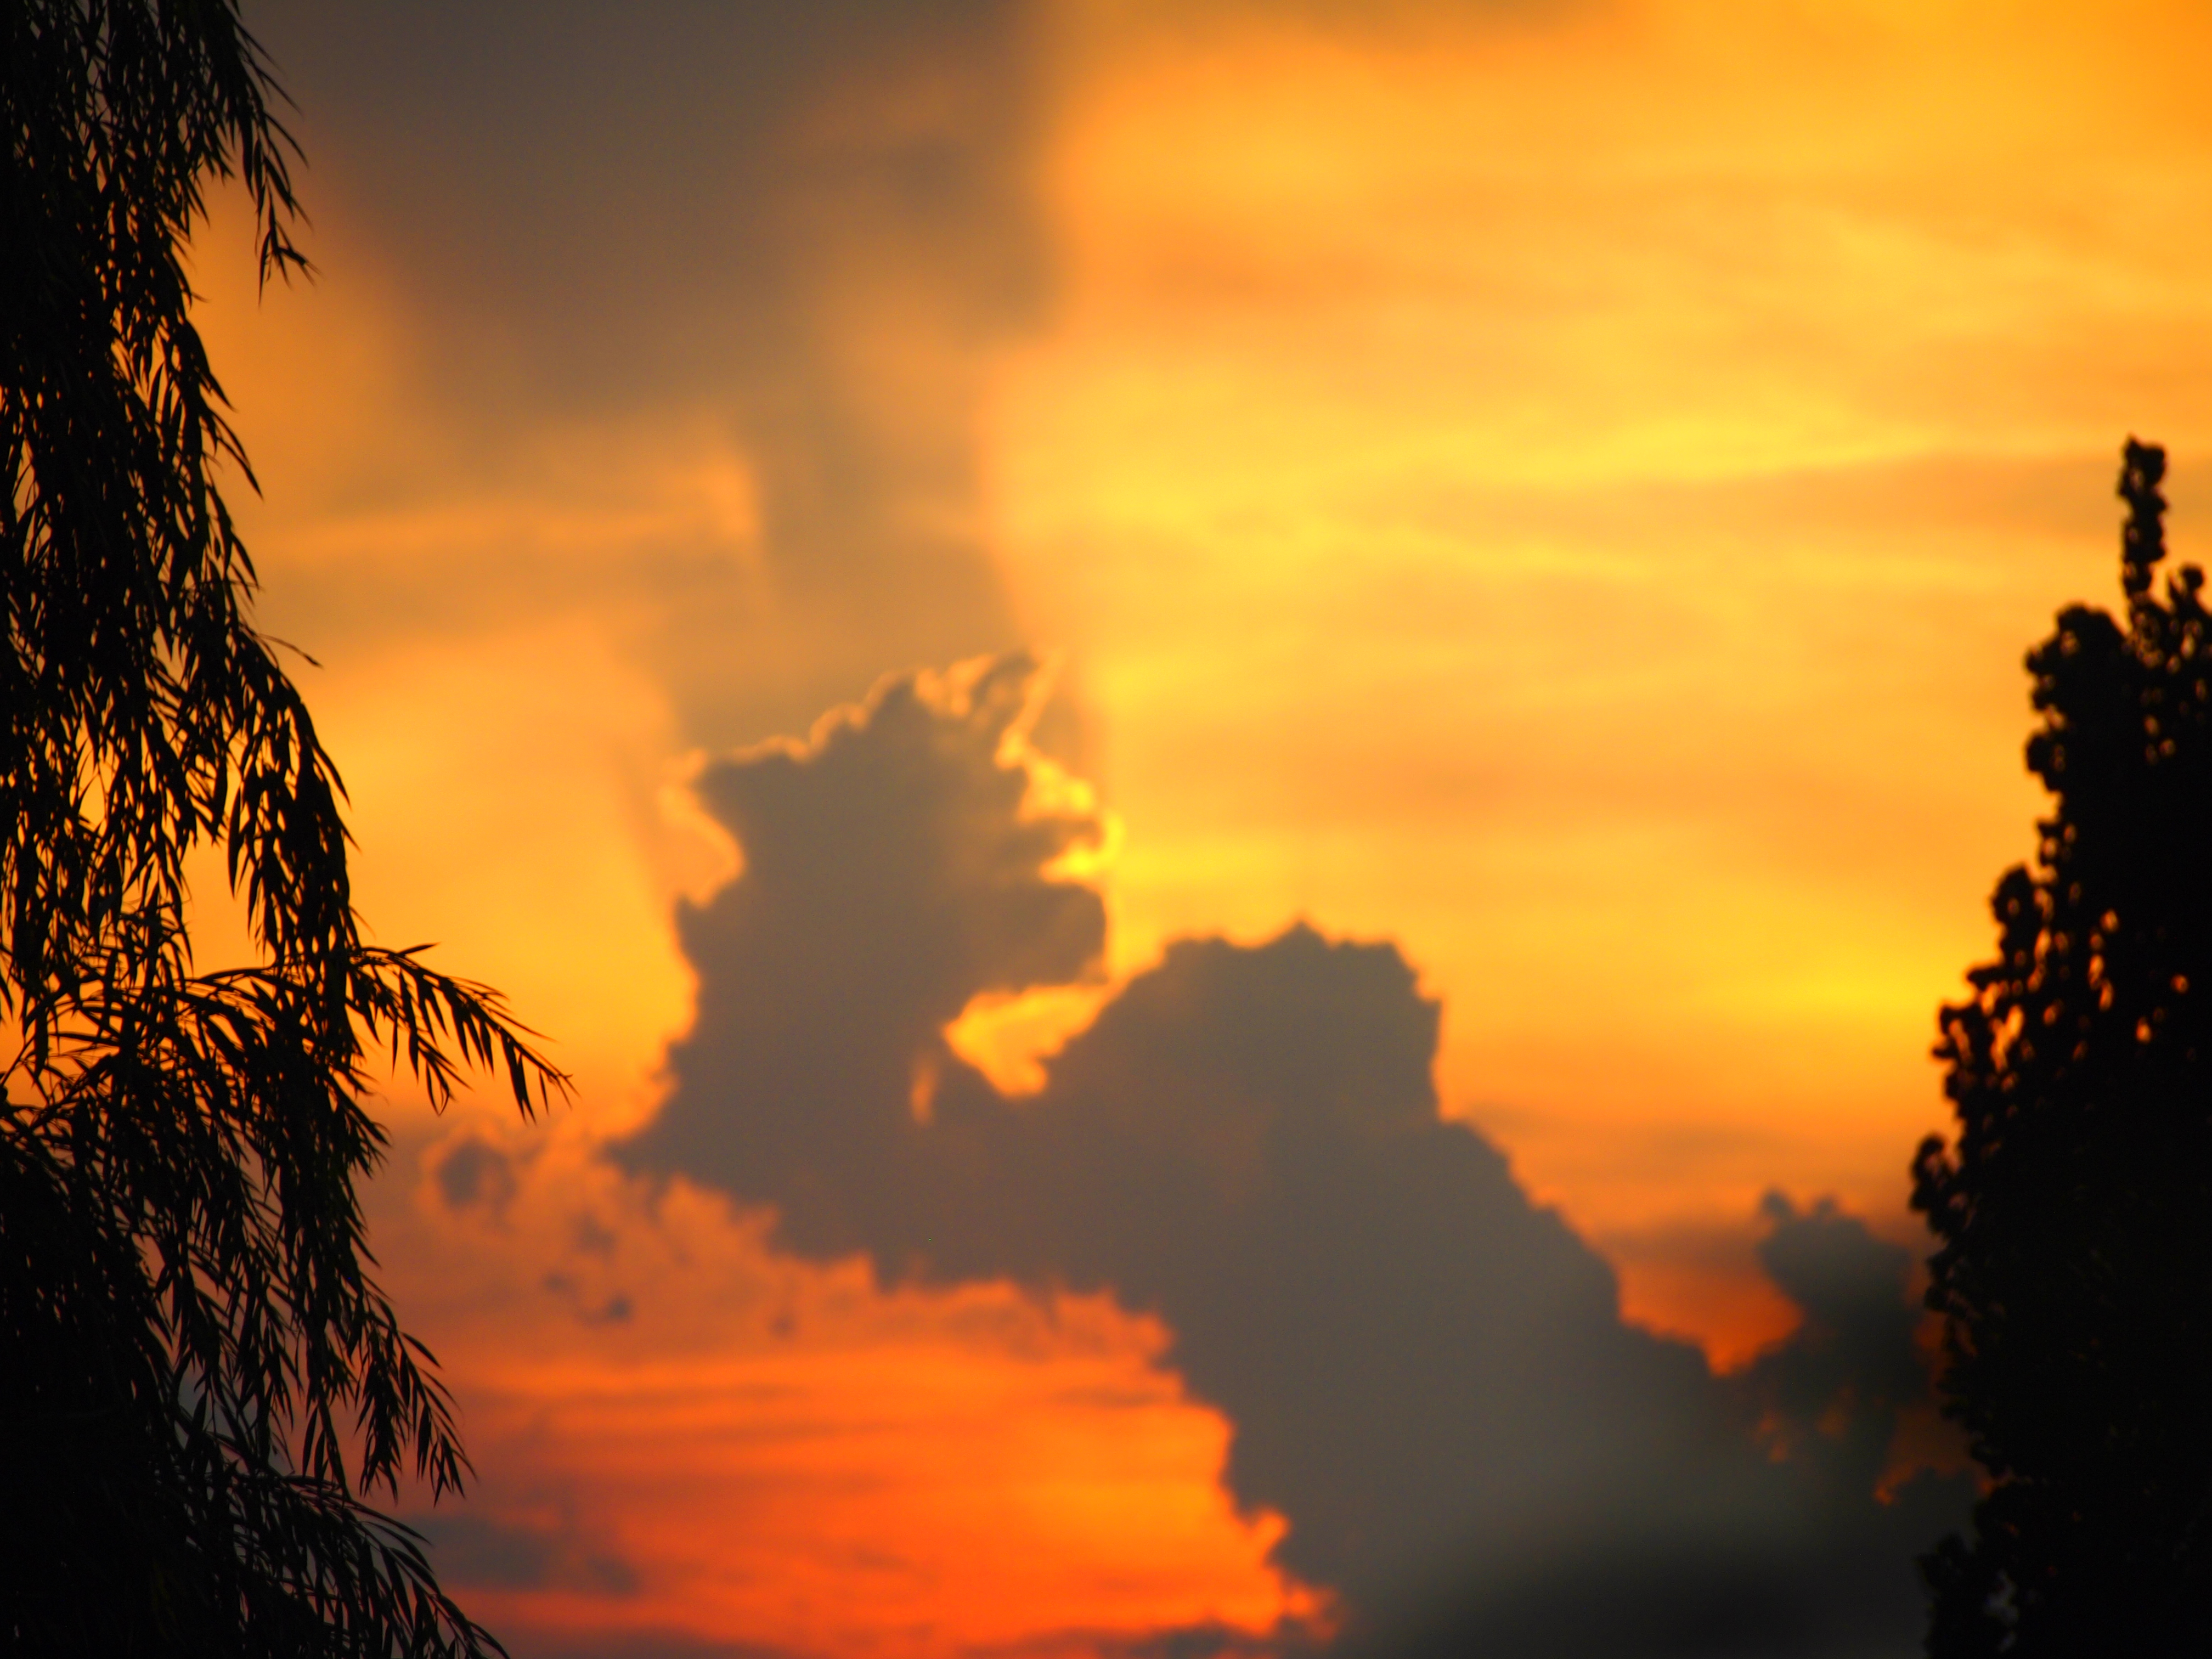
(1240, 747)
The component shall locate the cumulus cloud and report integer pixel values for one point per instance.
(1418, 1362)
(890, 874)
(1427, 1374)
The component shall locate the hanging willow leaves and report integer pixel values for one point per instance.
(202, 1384)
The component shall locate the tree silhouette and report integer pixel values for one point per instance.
(2074, 1209)
(201, 1383)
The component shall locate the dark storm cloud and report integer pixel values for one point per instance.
(1427, 1374)
(817, 218)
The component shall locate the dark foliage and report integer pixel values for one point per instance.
(2074, 1209)
(200, 1381)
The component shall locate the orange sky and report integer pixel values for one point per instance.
(1565, 487)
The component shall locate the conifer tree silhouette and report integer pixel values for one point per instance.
(2073, 1207)
(201, 1383)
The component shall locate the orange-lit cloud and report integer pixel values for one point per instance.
(682, 1437)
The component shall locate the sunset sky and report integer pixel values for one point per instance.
(948, 500)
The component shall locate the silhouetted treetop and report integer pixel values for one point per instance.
(2073, 1207)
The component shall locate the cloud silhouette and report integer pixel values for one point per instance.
(1851, 1366)
(1422, 1368)
(1813, 1564)
(891, 873)
(1427, 1374)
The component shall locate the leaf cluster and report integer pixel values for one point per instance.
(203, 1382)
(2074, 1207)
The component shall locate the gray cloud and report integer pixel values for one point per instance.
(890, 875)
(614, 1308)
(1852, 1364)
(818, 220)
(639, 1644)
(1427, 1374)
(1817, 1568)
(1208, 1639)
(476, 1549)
(1417, 1363)
(473, 1173)
(646, 197)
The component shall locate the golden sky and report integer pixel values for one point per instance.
(1564, 489)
